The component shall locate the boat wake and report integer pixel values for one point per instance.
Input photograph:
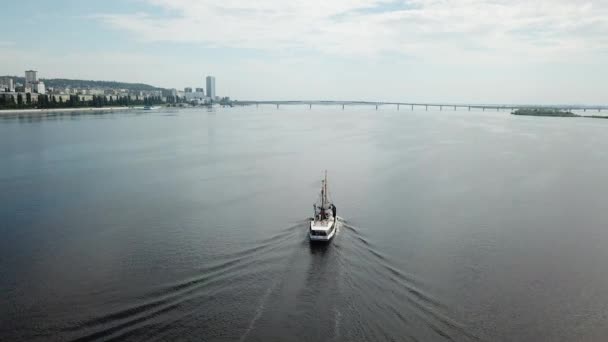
(282, 287)
(403, 306)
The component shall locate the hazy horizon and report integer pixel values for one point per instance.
(474, 51)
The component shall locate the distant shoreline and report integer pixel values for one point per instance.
(55, 110)
(554, 113)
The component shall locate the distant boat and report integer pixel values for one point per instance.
(323, 224)
(151, 107)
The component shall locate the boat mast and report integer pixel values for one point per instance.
(324, 192)
(325, 188)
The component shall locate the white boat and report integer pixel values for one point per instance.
(324, 223)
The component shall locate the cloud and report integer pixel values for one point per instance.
(436, 50)
(425, 28)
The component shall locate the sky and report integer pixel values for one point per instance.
(463, 51)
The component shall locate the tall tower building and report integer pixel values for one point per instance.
(211, 87)
(30, 77)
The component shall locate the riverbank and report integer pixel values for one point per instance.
(57, 110)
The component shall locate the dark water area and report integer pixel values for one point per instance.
(191, 225)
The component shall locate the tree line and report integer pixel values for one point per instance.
(74, 101)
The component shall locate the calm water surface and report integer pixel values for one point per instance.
(191, 225)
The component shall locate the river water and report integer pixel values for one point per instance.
(191, 225)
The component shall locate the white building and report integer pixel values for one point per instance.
(197, 95)
(95, 91)
(6, 84)
(211, 87)
(38, 87)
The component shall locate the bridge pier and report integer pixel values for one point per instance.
(440, 107)
(277, 106)
(257, 105)
(484, 109)
(376, 107)
(469, 108)
(454, 108)
(427, 108)
(412, 107)
(343, 106)
(310, 106)
(397, 106)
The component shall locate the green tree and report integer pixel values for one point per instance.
(28, 98)
(73, 100)
(43, 101)
(19, 100)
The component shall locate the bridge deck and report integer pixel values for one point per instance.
(426, 105)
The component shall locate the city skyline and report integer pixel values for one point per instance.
(458, 51)
(31, 80)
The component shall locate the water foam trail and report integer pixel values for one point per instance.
(263, 301)
(337, 317)
(258, 312)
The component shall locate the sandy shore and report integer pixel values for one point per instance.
(54, 110)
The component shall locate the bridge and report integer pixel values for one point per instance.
(426, 106)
